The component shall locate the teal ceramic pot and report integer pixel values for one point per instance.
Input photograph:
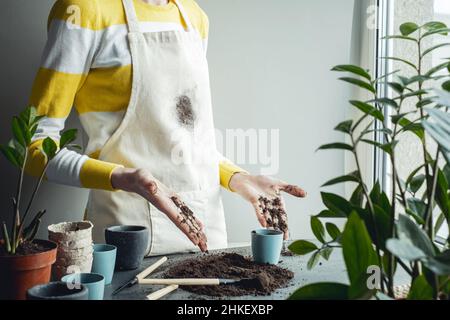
(104, 261)
(131, 243)
(266, 246)
(94, 282)
(57, 291)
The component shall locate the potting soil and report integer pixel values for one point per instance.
(259, 279)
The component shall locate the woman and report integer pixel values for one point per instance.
(136, 72)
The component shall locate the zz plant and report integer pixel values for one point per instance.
(17, 153)
(387, 232)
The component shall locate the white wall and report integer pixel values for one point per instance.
(269, 64)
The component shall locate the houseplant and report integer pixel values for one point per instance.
(384, 233)
(24, 261)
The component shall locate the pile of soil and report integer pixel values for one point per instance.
(26, 248)
(260, 279)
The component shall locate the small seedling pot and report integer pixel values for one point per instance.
(74, 241)
(131, 243)
(94, 282)
(58, 291)
(19, 273)
(266, 246)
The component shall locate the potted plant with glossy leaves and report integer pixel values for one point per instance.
(385, 233)
(24, 260)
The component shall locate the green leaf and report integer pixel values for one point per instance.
(387, 147)
(353, 69)
(358, 253)
(368, 109)
(439, 129)
(404, 249)
(330, 214)
(359, 83)
(317, 229)
(415, 94)
(68, 137)
(408, 28)
(333, 230)
(12, 155)
(352, 177)
(313, 260)
(345, 126)
(446, 85)
(385, 101)
(337, 145)
(439, 223)
(326, 253)
(438, 267)
(397, 87)
(420, 289)
(442, 197)
(437, 68)
(407, 229)
(435, 47)
(18, 133)
(434, 25)
(357, 197)
(441, 31)
(49, 147)
(414, 127)
(321, 291)
(336, 204)
(416, 183)
(302, 247)
(28, 116)
(409, 63)
(417, 206)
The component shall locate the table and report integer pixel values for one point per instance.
(331, 270)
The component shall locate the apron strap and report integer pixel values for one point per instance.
(184, 15)
(132, 19)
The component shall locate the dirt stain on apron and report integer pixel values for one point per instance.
(185, 113)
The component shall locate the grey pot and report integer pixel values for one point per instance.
(57, 291)
(131, 243)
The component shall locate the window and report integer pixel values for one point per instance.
(392, 15)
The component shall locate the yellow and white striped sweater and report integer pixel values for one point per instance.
(87, 64)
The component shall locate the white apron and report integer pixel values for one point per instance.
(168, 130)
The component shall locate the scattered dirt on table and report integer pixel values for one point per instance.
(260, 279)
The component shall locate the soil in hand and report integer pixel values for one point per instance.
(260, 279)
(274, 213)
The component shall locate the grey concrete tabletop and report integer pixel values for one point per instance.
(331, 270)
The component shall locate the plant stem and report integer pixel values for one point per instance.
(16, 223)
(6, 237)
(429, 211)
(405, 267)
(33, 195)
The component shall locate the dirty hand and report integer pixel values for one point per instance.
(263, 193)
(143, 183)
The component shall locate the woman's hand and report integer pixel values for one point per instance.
(263, 193)
(143, 183)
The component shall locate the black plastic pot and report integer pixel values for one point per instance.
(57, 291)
(131, 243)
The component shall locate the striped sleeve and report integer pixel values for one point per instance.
(66, 60)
